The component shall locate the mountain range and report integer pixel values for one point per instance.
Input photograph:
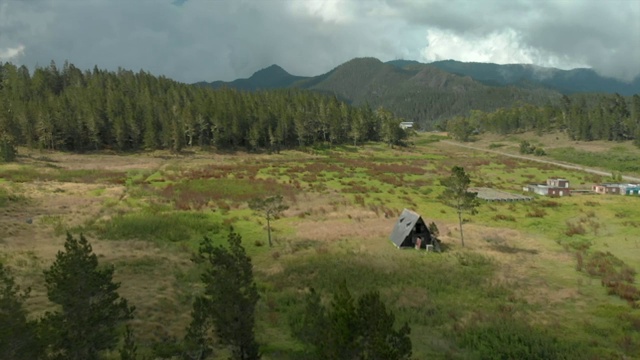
(429, 92)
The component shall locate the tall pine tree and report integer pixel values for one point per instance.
(18, 336)
(229, 300)
(90, 310)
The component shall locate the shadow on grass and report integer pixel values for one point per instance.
(513, 250)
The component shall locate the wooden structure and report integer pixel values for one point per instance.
(410, 231)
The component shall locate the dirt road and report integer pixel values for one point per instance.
(544, 161)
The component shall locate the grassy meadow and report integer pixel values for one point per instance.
(533, 275)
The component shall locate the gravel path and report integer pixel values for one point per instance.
(552, 162)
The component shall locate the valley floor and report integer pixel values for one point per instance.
(526, 272)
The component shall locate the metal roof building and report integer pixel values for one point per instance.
(409, 228)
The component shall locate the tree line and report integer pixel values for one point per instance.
(89, 319)
(73, 110)
(583, 117)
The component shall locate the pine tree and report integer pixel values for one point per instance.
(8, 150)
(377, 338)
(90, 308)
(18, 337)
(312, 326)
(229, 298)
(457, 196)
(129, 350)
(270, 207)
(349, 329)
(343, 324)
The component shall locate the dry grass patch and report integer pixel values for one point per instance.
(520, 258)
(100, 161)
(336, 229)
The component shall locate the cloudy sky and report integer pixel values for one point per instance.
(194, 40)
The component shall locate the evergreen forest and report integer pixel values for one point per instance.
(609, 117)
(73, 110)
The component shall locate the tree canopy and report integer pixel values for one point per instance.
(87, 299)
(582, 117)
(73, 110)
(351, 329)
(228, 304)
(18, 336)
(270, 207)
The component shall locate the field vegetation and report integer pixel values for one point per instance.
(549, 278)
(614, 157)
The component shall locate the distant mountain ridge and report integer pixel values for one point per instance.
(429, 92)
(271, 77)
(579, 80)
(565, 81)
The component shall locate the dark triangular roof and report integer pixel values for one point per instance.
(403, 227)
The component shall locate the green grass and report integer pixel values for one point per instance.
(23, 174)
(11, 196)
(460, 304)
(611, 160)
(437, 290)
(159, 227)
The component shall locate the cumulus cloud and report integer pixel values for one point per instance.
(194, 40)
(500, 47)
(9, 53)
(604, 35)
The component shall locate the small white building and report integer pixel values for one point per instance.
(406, 125)
(558, 183)
(554, 187)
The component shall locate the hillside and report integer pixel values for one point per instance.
(414, 91)
(565, 81)
(420, 92)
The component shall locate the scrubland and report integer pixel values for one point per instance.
(546, 274)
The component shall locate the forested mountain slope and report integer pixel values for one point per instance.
(416, 92)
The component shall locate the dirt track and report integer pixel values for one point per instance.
(552, 162)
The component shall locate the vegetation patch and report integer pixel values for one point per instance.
(506, 337)
(198, 193)
(8, 197)
(88, 176)
(616, 276)
(613, 160)
(158, 227)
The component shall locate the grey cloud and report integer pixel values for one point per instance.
(602, 34)
(193, 40)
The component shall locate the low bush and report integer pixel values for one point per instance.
(536, 213)
(615, 275)
(574, 229)
(504, 217)
(549, 203)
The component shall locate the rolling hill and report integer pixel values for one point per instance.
(271, 77)
(426, 93)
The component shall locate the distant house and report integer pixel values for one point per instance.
(554, 187)
(411, 231)
(631, 189)
(615, 189)
(558, 183)
(406, 125)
